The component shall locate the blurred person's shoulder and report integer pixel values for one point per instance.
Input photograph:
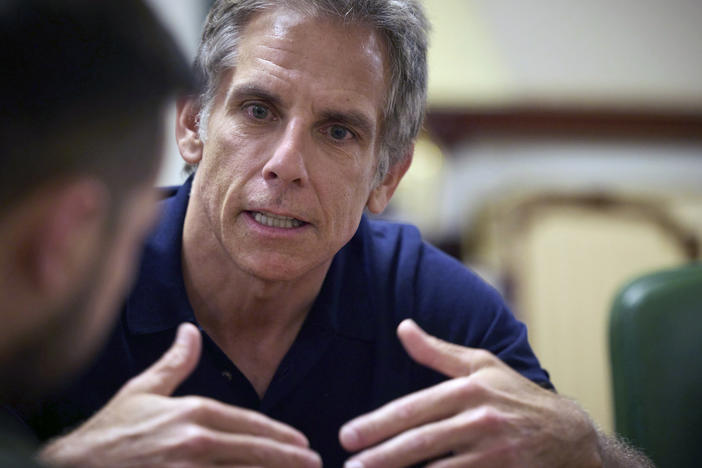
(167, 192)
(17, 445)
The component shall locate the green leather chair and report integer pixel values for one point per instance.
(656, 354)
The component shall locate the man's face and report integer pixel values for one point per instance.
(115, 269)
(293, 137)
(63, 333)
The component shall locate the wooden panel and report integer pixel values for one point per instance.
(449, 126)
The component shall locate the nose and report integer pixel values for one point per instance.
(287, 163)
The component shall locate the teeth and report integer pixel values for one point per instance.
(272, 220)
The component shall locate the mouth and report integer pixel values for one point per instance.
(276, 221)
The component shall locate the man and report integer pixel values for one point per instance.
(82, 101)
(308, 117)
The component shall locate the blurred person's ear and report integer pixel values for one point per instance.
(187, 135)
(65, 237)
(382, 193)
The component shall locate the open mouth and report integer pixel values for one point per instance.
(271, 220)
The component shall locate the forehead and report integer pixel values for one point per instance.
(318, 55)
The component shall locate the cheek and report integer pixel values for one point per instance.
(116, 272)
(350, 200)
(233, 155)
(225, 166)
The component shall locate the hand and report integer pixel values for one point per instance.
(486, 415)
(143, 426)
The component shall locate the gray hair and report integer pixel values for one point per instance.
(401, 23)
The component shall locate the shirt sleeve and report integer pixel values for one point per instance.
(453, 303)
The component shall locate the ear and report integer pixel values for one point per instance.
(66, 237)
(187, 135)
(380, 196)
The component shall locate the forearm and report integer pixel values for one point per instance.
(55, 454)
(71, 450)
(591, 446)
(615, 453)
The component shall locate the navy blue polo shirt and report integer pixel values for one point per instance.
(345, 361)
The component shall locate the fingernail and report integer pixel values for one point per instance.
(181, 330)
(181, 336)
(349, 437)
(353, 464)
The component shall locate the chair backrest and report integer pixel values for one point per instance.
(565, 256)
(656, 353)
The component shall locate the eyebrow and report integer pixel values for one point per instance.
(251, 90)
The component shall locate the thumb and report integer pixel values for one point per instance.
(164, 376)
(450, 359)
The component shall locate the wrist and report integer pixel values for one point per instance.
(615, 453)
(584, 437)
(61, 452)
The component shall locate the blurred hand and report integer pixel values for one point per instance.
(143, 426)
(486, 415)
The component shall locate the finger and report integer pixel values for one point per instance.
(231, 419)
(428, 405)
(450, 359)
(246, 450)
(425, 442)
(408, 448)
(465, 460)
(486, 457)
(164, 376)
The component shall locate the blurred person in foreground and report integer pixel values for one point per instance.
(310, 312)
(84, 84)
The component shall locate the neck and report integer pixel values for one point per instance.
(253, 319)
(229, 300)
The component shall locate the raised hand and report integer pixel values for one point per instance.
(486, 415)
(143, 426)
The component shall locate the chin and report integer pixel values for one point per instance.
(282, 268)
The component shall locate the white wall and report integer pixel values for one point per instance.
(184, 18)
(595, 51)
(493, 167)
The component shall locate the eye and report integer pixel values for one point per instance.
(258, 111)
(339, 133)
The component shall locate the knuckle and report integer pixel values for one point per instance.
(483, 357)
(195, 408)
(406, 410)
(194, 441)
(421, 443)
(491, 419)
(470, 388)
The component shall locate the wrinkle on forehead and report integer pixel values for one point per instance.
(284, 24)
(273, 69)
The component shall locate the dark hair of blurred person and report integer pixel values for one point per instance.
(84, 84)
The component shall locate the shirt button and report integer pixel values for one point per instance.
(227, 375)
